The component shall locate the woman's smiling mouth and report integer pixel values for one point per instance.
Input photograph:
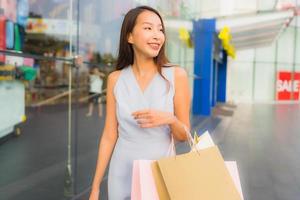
(154, 46)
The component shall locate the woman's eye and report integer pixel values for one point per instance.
(147, 28)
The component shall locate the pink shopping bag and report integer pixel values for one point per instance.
(143, 185)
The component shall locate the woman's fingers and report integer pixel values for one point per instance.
(144, 120)
(149, 118)
(141, 112)
(142, 116)
(147, 125)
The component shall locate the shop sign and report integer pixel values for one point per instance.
(51, 26)
(288, 88)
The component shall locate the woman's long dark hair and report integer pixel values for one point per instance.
(126, 53)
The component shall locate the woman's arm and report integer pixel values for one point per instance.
(110, 133)
(182, 105)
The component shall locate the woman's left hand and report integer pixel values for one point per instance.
(152, 118)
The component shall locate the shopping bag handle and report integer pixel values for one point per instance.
(190, 140)
(189, 136)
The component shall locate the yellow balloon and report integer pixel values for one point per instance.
(184, 34)
(23, 118)
(226, 37)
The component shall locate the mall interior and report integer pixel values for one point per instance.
(242, 58)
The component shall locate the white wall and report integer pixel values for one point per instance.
(240, 77)
(252, 76)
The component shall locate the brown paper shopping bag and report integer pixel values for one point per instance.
(159, 182)
(194, 176)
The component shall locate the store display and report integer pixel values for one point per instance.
(10, 8)
(7, 72)
(22, 12)
(27, 73)
(21, 34)
(2, 35)
(17, 43)
(11, 72)
(9, 34)
(14, 60)
(28, 62)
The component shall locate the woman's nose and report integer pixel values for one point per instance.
(156, 34)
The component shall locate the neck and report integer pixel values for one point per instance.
(144, 66)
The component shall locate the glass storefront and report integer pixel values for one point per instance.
(51, 138)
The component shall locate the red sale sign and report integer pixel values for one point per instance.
(288, 88)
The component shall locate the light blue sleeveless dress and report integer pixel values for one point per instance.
(135, 143)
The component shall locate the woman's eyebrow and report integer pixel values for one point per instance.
(149, 23)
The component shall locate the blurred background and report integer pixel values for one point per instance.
(235, 52)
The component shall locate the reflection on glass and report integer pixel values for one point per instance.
(44, 32)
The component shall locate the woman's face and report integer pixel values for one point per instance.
(148, 35)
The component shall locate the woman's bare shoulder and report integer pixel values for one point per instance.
(113, 76)
(180, 72)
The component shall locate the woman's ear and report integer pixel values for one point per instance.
(129, 38)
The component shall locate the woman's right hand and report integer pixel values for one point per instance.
(94, 195)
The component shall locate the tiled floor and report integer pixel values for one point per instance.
(264, 139)
(33, 165)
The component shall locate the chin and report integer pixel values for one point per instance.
(152, 54)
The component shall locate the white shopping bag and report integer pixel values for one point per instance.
(205, 141)
(234, 173)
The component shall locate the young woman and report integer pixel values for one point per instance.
(148, 102)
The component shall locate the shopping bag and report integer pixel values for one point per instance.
(234, 173)
(205, 141)
(161, 187)
(200, 174)
(143, 186)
